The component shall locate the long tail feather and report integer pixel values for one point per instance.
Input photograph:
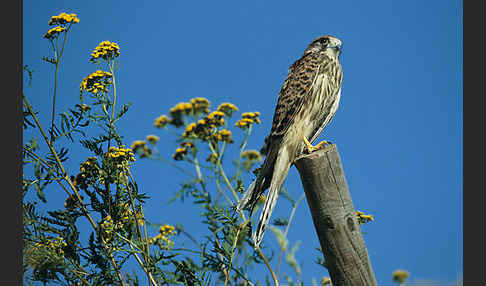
(280, 171)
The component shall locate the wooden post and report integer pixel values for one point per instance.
(334, 218)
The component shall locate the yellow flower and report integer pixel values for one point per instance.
(368, 217)
(200, 104)
(54, 32)
(224, 136)
(63, 19)
(55, 244)
(181, 107)
(252, 155)
(227, 108)
(179, 154)
(162, 239)
(215, 114)
(166, 230)
(140, 219)
(153, 139)
(97, 81)
(178, 112)
(244, 122)
(189, 132)
(249, 158)
(137, 144)
(400, 276)
(201, 122)
(120, 153)
(187, 145)
(364, 218)
(253, 116)
(162, 121)
(105, 50)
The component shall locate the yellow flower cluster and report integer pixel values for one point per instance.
(167, 230)
(200, 105)
(215, 118)
(363, 218)
(252, 155)
(54, 32)
(400, 276)
(105, 50)
(161, 121)
(127, 214)
(152, 139)
(193, 107)
(120, 153)
(63, 19)
(190, 131)
(87, 171)
(187, 145)
(137, 145)
(107, 227)
(249, 158)
(205, 128)
(57, 244)
(180, 153)
(126, 211)
(163, 237)
(140, 146)
(96, 82)
(223, 135)
(247, 119)
(183, 107)
(227, 108)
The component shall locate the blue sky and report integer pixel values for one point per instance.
(398, 127)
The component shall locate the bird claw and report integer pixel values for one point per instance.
(309, 148)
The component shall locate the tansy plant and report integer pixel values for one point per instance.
(101, 196)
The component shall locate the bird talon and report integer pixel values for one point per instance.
(309, 148)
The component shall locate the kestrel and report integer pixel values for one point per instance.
(306, 104)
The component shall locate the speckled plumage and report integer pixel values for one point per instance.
(306, 104)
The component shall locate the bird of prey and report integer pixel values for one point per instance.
(306, 104)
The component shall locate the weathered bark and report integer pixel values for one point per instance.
(334, 217)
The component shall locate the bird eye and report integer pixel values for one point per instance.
(325, 40)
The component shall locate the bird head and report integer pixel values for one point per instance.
(329, 44)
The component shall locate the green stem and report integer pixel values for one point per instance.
(223, 174)
(77, 275)
(233, 248)
(287, 230)
(243, 146)
(110, 65)
(58, 61)
(275, 280)
(230, 202)
(151, 278)
(146, 254)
